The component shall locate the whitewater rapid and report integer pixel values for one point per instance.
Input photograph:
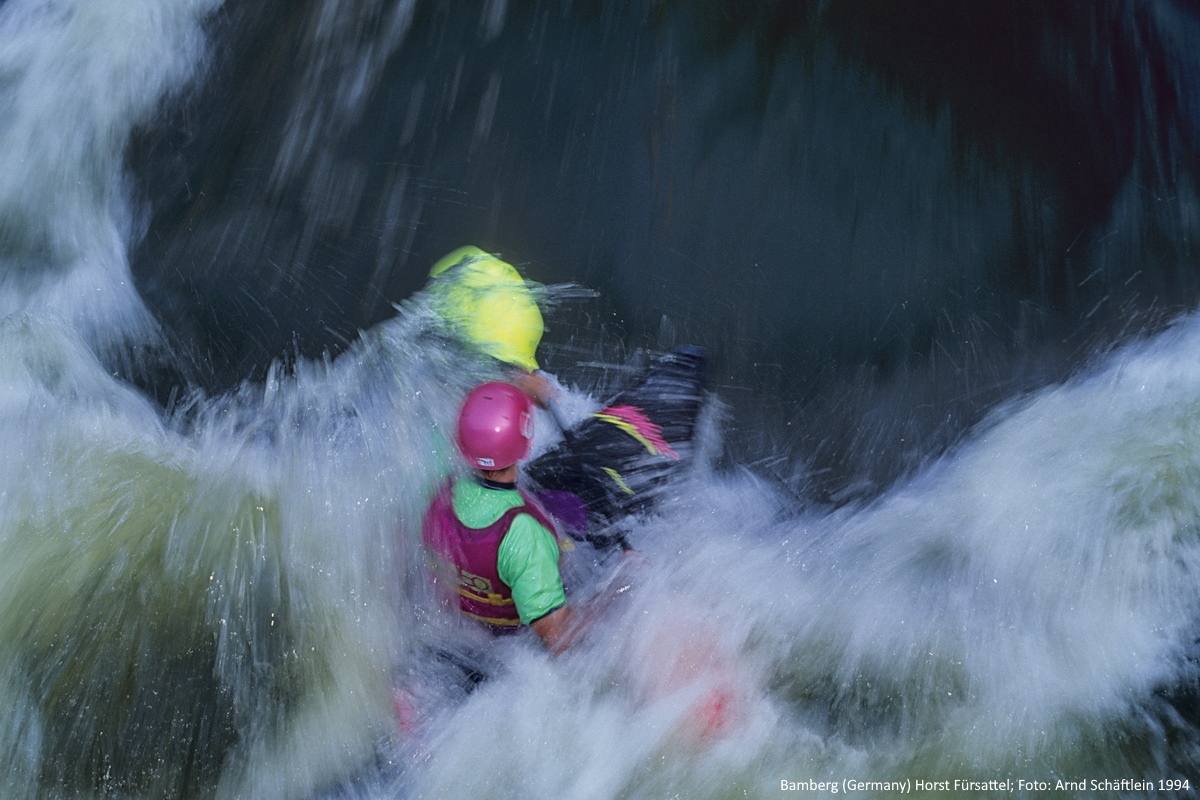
(1022, 612)
(215, 600)
(1023, 608)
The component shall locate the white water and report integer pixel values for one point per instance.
(213, 604)
(1009, 614)
(75, 78)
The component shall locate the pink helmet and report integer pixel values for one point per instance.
(495, 426)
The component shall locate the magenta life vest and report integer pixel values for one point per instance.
(470, 554)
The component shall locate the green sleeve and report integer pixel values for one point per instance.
(528, 563)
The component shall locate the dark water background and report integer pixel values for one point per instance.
(882, 218)
(886, 221)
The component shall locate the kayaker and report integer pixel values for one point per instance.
(494, 547)
(491, 307)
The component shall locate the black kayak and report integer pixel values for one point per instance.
(619, 459)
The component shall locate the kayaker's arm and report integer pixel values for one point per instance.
(535, 384)
(563, 626)
(559, 629)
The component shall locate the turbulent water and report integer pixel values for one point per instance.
(944, 523)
